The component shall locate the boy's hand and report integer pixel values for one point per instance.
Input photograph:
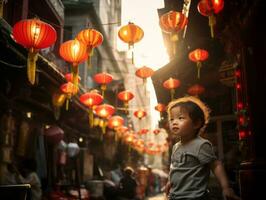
(167, 188)
(229, 194)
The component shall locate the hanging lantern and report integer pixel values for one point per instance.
(125, 96)
(130, 34)
(196, 90)
(160, 108)
(91, 38)
(75, 52)
(115, 122)
(54, 134)
(69, 77)
(198, 56)
(104, 111)
(171, 84)
(91, 99)
(140, 114)
(208, 8)
(34, 35)
(144, 73)
(58, 99)
(69, 89)
(156, 131)
(103, 79)
(172, 23)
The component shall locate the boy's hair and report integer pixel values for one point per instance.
(196, 108)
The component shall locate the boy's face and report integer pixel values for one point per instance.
(180, 122)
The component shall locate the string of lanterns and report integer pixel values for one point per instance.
(39, 35)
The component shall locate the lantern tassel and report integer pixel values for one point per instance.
(67, 103)
(104, 128)
(198, 69)
(172, 91)
(75, 76)
(90, 53)
(57, 112)
(144, 85)
(103, 88)
(1, 8)
(212, 22)
(91, 118)
(31, 66)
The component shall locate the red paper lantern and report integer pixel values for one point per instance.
(54, 134)
(140, 114)
(92, 38)
(171, 84)
(130, 34)
(69, 77)
(198, 56)
(75, 52)
(160, 108)
(172, 22)
(115, 122)
(104, 110)
(144, 73)
(91, 99)
(196, 90)
(156, 131)
(103, 79)
(69, 89)
(208, 8)
(33, 34)
(125, 96)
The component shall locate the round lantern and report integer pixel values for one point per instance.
(75, 52)
(58, 99)
(69, 89)
(91, 99)
(34, 35)
(54, 134)
(130, 34)
(72, 149)
(208, 8)
(69, 77)
(171, 84)
(144, 73)
(140, 114)
(198, 56)
(160, 108)
(172, 22)
(115, 122)
(125, 96)
(104, 111)
(92, 38)
(196, 90)
(103, 79)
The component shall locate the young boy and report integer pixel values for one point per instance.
(192, 156)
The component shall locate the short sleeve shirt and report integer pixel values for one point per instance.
(190, 169)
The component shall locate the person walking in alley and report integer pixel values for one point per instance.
(128, 185)
(192, 156)
(29, 175)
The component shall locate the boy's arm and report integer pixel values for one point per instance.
(219, 172)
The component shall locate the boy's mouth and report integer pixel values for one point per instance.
(175, 129)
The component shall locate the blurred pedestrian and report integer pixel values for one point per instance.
(28, 175)
(128, 185)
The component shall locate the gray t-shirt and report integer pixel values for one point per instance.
(190, 169)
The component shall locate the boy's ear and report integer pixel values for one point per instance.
(198, 124)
